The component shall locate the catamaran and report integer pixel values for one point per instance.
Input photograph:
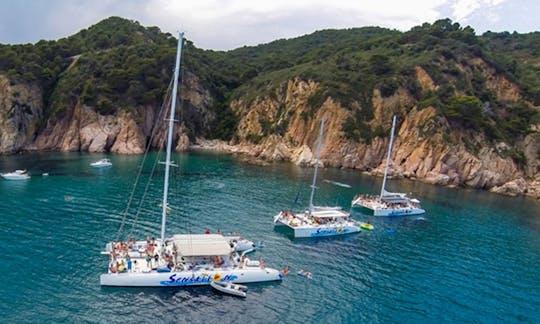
(182, 259)
(317, 220)
(388, 203)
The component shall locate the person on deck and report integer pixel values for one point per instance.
(129, 263)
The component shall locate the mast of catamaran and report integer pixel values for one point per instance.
(318, 156)
(389, 154)
(169, 138)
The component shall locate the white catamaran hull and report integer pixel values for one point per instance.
(189, 278)
(388, 212)
(324, 231)
(312, 230)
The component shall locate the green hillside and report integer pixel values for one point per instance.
(118, 64)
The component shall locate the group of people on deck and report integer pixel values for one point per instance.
(120, 257)
(307, 219)
(122, 265)
(133, 256)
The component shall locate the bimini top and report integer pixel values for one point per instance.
(329, 213)
(395, 197)
(202, 244)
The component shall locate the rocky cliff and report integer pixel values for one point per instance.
(83, 128)
(426, 148)
(21, 112)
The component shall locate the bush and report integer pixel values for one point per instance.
(467, 109)
(388, 87)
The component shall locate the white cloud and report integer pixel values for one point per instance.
(227, 24)
(464, 8)
(231, 23)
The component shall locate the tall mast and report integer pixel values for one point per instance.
(389, 154)
(169, 138)
(318, 156)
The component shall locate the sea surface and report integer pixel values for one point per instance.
(473, 257)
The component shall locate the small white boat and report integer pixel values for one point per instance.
(16, 175)
(229, 288)
(103, 163)
(241, 244)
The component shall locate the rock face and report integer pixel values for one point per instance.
(425, 148)
(512, 188)
(86, 130)
(82, 128)
(21, 110)
(284, 127)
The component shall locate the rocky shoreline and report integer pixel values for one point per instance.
(251, 153)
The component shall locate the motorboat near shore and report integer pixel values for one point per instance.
(16, 175)
(103, 163)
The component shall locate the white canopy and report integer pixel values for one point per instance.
(202, 245)
(329, 213)
(395, 197)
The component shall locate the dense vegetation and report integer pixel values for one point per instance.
(118, 64)
(350, 64)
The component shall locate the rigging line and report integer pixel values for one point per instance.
(180, 113)
(295, 201)
(161, 144)
(182, 121)
(132, 194)
(303, 179)
(156, 129)
(144, 193)
(180, 98)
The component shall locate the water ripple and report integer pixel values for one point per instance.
(473, 259)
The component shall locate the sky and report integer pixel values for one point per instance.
(229, 24)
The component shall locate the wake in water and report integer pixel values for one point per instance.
(340, 184)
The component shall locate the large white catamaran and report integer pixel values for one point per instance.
(317, 220)
(388, 203)
(183, 259)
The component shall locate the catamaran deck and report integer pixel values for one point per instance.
(320, 222)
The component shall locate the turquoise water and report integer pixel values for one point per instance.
(474, 257)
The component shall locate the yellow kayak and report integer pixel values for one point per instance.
(366, 226)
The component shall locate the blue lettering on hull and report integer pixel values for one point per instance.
(399, 212)
(328, 232)
(196, 280)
